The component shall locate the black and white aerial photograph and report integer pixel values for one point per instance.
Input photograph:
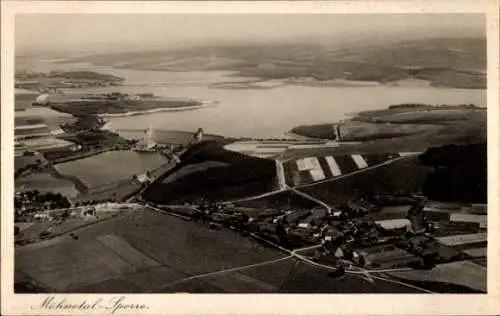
(250, 153)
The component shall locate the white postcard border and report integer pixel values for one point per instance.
(208, 304)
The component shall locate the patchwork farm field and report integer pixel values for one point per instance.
(159, 247)
(309, 170)
(461, 273)
(150, 252)
(305, 278)
(291, 276)
(407, 175)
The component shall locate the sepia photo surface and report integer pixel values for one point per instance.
(249, 153)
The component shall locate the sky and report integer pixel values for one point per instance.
(114, 32)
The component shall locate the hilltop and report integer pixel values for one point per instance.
(209, 172)
(448, 62)
(411, 125)
(77, 75)
(49, 82)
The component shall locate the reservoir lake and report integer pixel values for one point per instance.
(266, 111)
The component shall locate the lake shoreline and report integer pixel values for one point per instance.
(427, 79)
(204, 104)
(294, 104)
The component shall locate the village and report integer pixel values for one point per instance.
(382, 232)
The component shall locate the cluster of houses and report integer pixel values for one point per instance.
(31, 201)
(375, 233)
(79, 212)
(84, 212)
(380, 233)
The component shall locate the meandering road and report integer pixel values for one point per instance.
(366, 274)
(359, 272)
(280, 174)
(209, 274)
(283, 186)
(307, 196)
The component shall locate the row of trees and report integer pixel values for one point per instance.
(34, 200)
(94, 202)
(84, 123)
